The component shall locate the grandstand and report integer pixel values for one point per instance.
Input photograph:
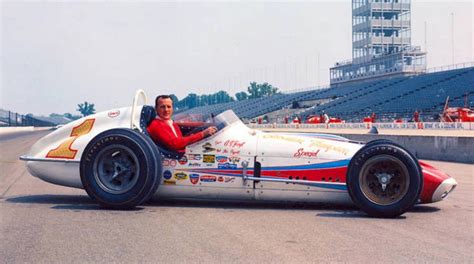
(397, 96)
(386, 76)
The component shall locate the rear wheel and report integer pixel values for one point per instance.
(120, 168)
(383, 179)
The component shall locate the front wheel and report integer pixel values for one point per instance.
(384, 179)
(120, 168)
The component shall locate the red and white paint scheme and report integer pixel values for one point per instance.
(110, 155)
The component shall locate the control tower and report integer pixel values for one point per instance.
(381, 43)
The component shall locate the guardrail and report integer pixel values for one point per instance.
(450, 67)
(9, 118)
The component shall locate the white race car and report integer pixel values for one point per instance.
(112, 157)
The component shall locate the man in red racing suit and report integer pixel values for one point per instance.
(162, 130)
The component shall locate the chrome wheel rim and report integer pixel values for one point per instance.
(116, 169)
(384, 180)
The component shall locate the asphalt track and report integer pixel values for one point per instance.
(44, 223)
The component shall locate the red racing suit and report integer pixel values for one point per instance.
(167, 133)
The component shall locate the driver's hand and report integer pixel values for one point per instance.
(210, 131)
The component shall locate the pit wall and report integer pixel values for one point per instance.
(7, 130)
(455, 149)
(418, 125)
(431, 147)
(11, 130)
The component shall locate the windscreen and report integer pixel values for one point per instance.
(221, 121)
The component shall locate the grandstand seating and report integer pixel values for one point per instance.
(402, 95)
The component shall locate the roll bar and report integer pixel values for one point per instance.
(135, 120)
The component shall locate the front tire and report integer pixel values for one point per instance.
(384, 179)
(120, 168)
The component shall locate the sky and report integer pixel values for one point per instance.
(55, 55)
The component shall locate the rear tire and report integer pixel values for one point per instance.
(120, 168)
(384, 179)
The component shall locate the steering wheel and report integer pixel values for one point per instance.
(135, 120)
(219, 126)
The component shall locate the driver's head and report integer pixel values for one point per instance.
(164, 106)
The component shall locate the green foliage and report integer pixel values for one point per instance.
(70, 116)
(254, 91)
(261, 90)
(193, 100)
(241, 96)
(174, 98)
(86, 109)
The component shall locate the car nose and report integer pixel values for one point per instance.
(446, 187)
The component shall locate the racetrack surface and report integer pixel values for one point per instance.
(45, 223)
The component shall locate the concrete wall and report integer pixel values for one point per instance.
(10, 130)
(7, 130)
(456, 149)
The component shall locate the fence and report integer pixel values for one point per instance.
(414, 125)
(387, 117)
(8, 118)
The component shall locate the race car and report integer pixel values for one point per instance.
(315, 119)
(112, 157)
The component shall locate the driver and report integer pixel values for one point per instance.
(162, 129)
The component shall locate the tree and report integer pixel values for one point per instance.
(174, 98)
(203, 100)
(190, 101)
(254, 90)
(241, 96)
(261, 90)
(176, 104)
(86, 109)
(223, 97)
(70, 116)
(267, 89)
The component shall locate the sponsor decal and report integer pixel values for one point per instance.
(234, 159)
(169, 163)
(207, 178)
(221, 159)
(301, 153)
(194, 178)
(183, 160)
(323, 145)
(229, 179)
(235, 152)
(208, 158)
(220, 179)
(227, 166)
(194, 164)
(113, 114)
(225, 151)
(169, 182)
(180, 176)
(234, 143)
(208, 147)
(167, 174)
(217, 142)
(284, 138)
(194, 157)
